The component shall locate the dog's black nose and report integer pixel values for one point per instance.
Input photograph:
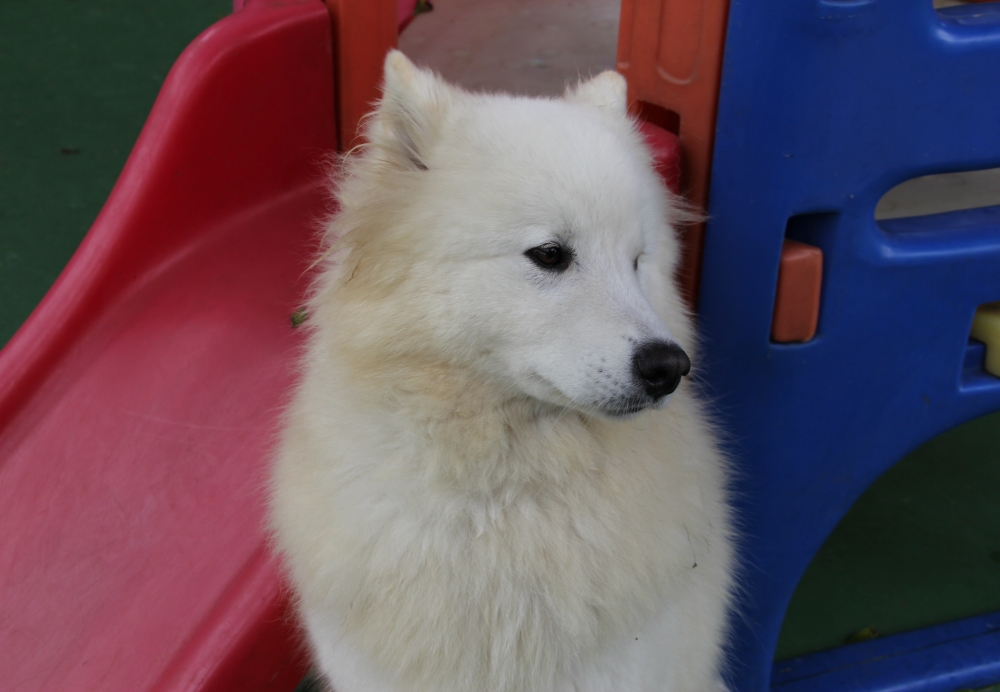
(659, 367)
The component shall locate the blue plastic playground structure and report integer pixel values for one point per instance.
(824, 106)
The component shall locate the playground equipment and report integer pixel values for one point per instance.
(138, 404)
(823, 106)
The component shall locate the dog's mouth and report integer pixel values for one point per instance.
(626, 406)
(623, 405)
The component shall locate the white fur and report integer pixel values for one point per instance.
(460, 500)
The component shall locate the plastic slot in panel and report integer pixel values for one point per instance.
(986, 329)
(939, 193)
(800, 278)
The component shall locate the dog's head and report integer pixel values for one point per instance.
(526, 240)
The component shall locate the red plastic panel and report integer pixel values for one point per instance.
(404, 13)
(666, 149)
(138, 404)
(796, 304)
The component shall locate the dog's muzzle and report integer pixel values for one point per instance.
(658, 366)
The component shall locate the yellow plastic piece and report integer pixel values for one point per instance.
(986, 328)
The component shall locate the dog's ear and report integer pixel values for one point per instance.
(414, 106)
(608, 91)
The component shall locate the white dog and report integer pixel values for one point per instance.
(493, 477)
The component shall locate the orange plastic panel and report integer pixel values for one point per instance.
(363, 32)
(796, 305)
(670, 51)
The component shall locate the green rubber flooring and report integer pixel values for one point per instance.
(77, 79)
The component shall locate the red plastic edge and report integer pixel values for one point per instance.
(250, 642)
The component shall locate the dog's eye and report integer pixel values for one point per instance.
(635, 263)
(551, 256)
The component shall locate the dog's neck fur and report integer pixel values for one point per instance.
(469, 435)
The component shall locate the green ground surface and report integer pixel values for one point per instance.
(75, 76)
(921, 547)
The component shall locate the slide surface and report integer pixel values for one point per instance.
(139, 404)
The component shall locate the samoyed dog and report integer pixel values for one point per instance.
(494, 476)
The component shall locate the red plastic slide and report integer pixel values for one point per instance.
(139, 403)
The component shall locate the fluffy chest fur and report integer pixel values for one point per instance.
(491, 548)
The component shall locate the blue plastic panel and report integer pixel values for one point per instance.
(824, 106)
(959, 655)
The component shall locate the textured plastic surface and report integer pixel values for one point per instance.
(670, 51)
(138, 403)
(797, 298)
(986, 328)
(824, 106)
